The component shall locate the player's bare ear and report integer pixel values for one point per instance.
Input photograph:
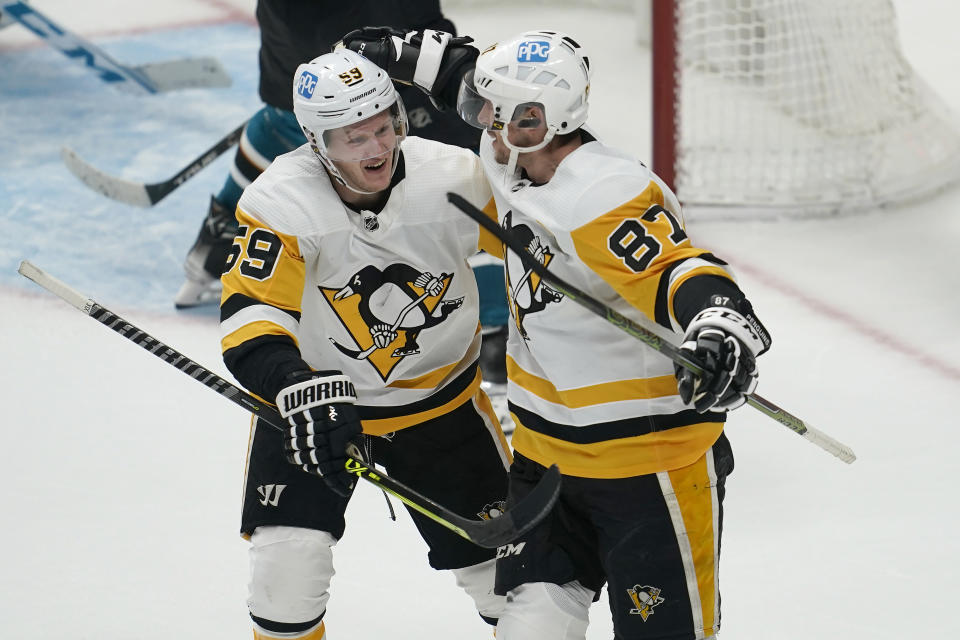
(531, 119)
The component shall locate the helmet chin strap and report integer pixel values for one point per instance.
(512, 173)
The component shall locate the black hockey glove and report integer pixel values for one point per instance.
(432, 60)
(725, 343)
(323, 422)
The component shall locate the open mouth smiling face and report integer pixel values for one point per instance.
(364, 152)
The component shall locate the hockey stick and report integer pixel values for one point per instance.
(148, 78)
(491, 533)
(137, 193)
(792, 422)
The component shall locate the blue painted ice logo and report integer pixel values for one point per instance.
(306, 84)
(533, 51)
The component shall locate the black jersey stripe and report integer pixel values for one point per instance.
(238, 301)
(445, 395)
(613, 430)
(661, 308)
(287, 627)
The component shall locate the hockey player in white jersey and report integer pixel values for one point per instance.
(640, 443)
(349, 273)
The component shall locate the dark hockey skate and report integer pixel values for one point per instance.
(206, 259)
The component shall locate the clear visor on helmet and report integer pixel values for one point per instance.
(370, 138)
(481, 113)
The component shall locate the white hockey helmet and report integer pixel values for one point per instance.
(340, 89)
(536, 68)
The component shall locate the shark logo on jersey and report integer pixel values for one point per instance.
(527, 293)
(385, 310)
(644, 598)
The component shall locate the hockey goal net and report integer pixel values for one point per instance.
(764, 108)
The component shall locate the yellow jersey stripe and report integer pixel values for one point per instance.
(381, 426)
(487, 241)
(691, 494)
(619, 458)
(253, 330)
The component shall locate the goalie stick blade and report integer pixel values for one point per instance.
(185, 73)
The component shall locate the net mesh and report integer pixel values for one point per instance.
(795, 107)
(618, 5)
(804, 106)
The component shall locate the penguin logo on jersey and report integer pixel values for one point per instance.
(527, 292)
(385, 310)
(492, 510)
(644, 598)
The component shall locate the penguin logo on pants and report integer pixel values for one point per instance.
(644, 599)
(386, 310)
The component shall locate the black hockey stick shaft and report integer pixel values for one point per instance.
(139, 194)
(646, 336)
(490, 533)
(158, 191)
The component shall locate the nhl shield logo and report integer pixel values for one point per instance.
(644, 598)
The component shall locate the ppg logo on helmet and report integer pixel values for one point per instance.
(306, 84)
(533, 51)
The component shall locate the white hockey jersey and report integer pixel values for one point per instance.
(584, 394)
(387, 298)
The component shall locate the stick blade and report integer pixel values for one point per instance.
(522, 517)
(118, 189)
(186, 73)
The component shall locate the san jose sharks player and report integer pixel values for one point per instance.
(348, 300)
(640, 443)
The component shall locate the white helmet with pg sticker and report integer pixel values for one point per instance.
(349, 112)
(544, 69)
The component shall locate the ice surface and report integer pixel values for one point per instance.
(123, 477)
